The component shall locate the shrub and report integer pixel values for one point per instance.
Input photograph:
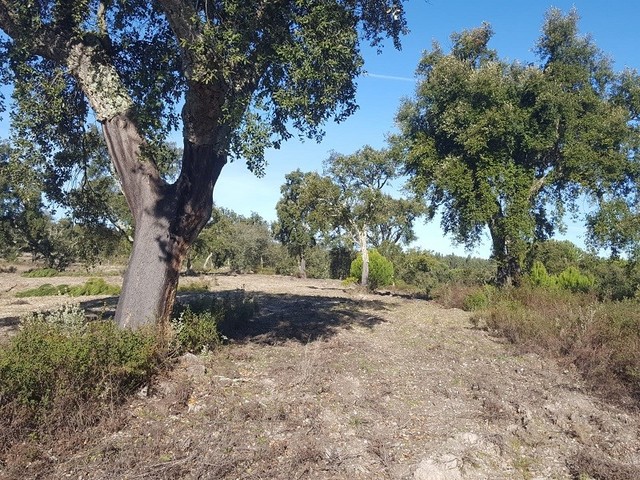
(424, 271)
(572, 279)
(194, 287)
(93, 286)
(478, 300)
(41, 273)
(197, 325)
(44, 290)
(60, 373)
(540, 277)
(380, 270)
(197, 332)
(602, 339)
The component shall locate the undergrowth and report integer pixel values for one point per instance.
(601, 338)
(41, 273)
(93, 286)
(62, 373)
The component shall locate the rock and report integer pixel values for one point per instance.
(445, 468)
(193, 365)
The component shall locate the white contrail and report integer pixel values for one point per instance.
(389, 77)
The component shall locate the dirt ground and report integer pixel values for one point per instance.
(327, 382)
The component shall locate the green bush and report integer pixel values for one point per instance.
(194, 287)
(478, 300)
(58, 371)
(380, 270)
(198, 325)
(41, 273)
(197, 332)
(572, 279)
(540, 277)
(44, 290)
(93, 286)
(423, 271)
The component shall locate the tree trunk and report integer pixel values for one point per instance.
(362, 239)
(168, 218)
(302, 266)
(508, 269)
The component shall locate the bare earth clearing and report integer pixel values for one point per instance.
(327, 382)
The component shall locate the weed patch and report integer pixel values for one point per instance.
(41, 273)
(194, 287)
(93, 286)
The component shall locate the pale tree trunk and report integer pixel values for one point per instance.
(302, 266)
(362, 240)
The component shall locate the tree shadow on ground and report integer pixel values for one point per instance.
(300, 318)
(279, 317)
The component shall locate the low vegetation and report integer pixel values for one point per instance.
(40, 273)
(600, 338)
(62, 373)
(93, 286)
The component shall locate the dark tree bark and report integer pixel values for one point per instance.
(508, 271)
(168, 218)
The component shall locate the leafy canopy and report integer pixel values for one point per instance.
(510, 147)
(276, 67)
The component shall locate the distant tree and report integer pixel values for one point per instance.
(243, 244)
(298, 213)
(361, 206)
(510, 147)
(244, 73)
(555, 255)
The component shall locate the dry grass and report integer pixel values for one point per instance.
(602, 339)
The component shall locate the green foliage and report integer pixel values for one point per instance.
(478, 300)
(59, 371)
(540, 277)
(380, 270)
(194, 287)
(41, 273)
(509, 146)
(243, 244)
(556, 255)
(340, 261)
(572, 279)
(227, 313)
(299, 218)
(93, 286)
(44, 290)
(197, 332)
(423, 271)
(569, 279)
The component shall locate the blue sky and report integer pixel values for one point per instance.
(517, 26)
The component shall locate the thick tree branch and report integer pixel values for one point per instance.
(7, 21)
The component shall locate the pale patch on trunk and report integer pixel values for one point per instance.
(99, 81)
